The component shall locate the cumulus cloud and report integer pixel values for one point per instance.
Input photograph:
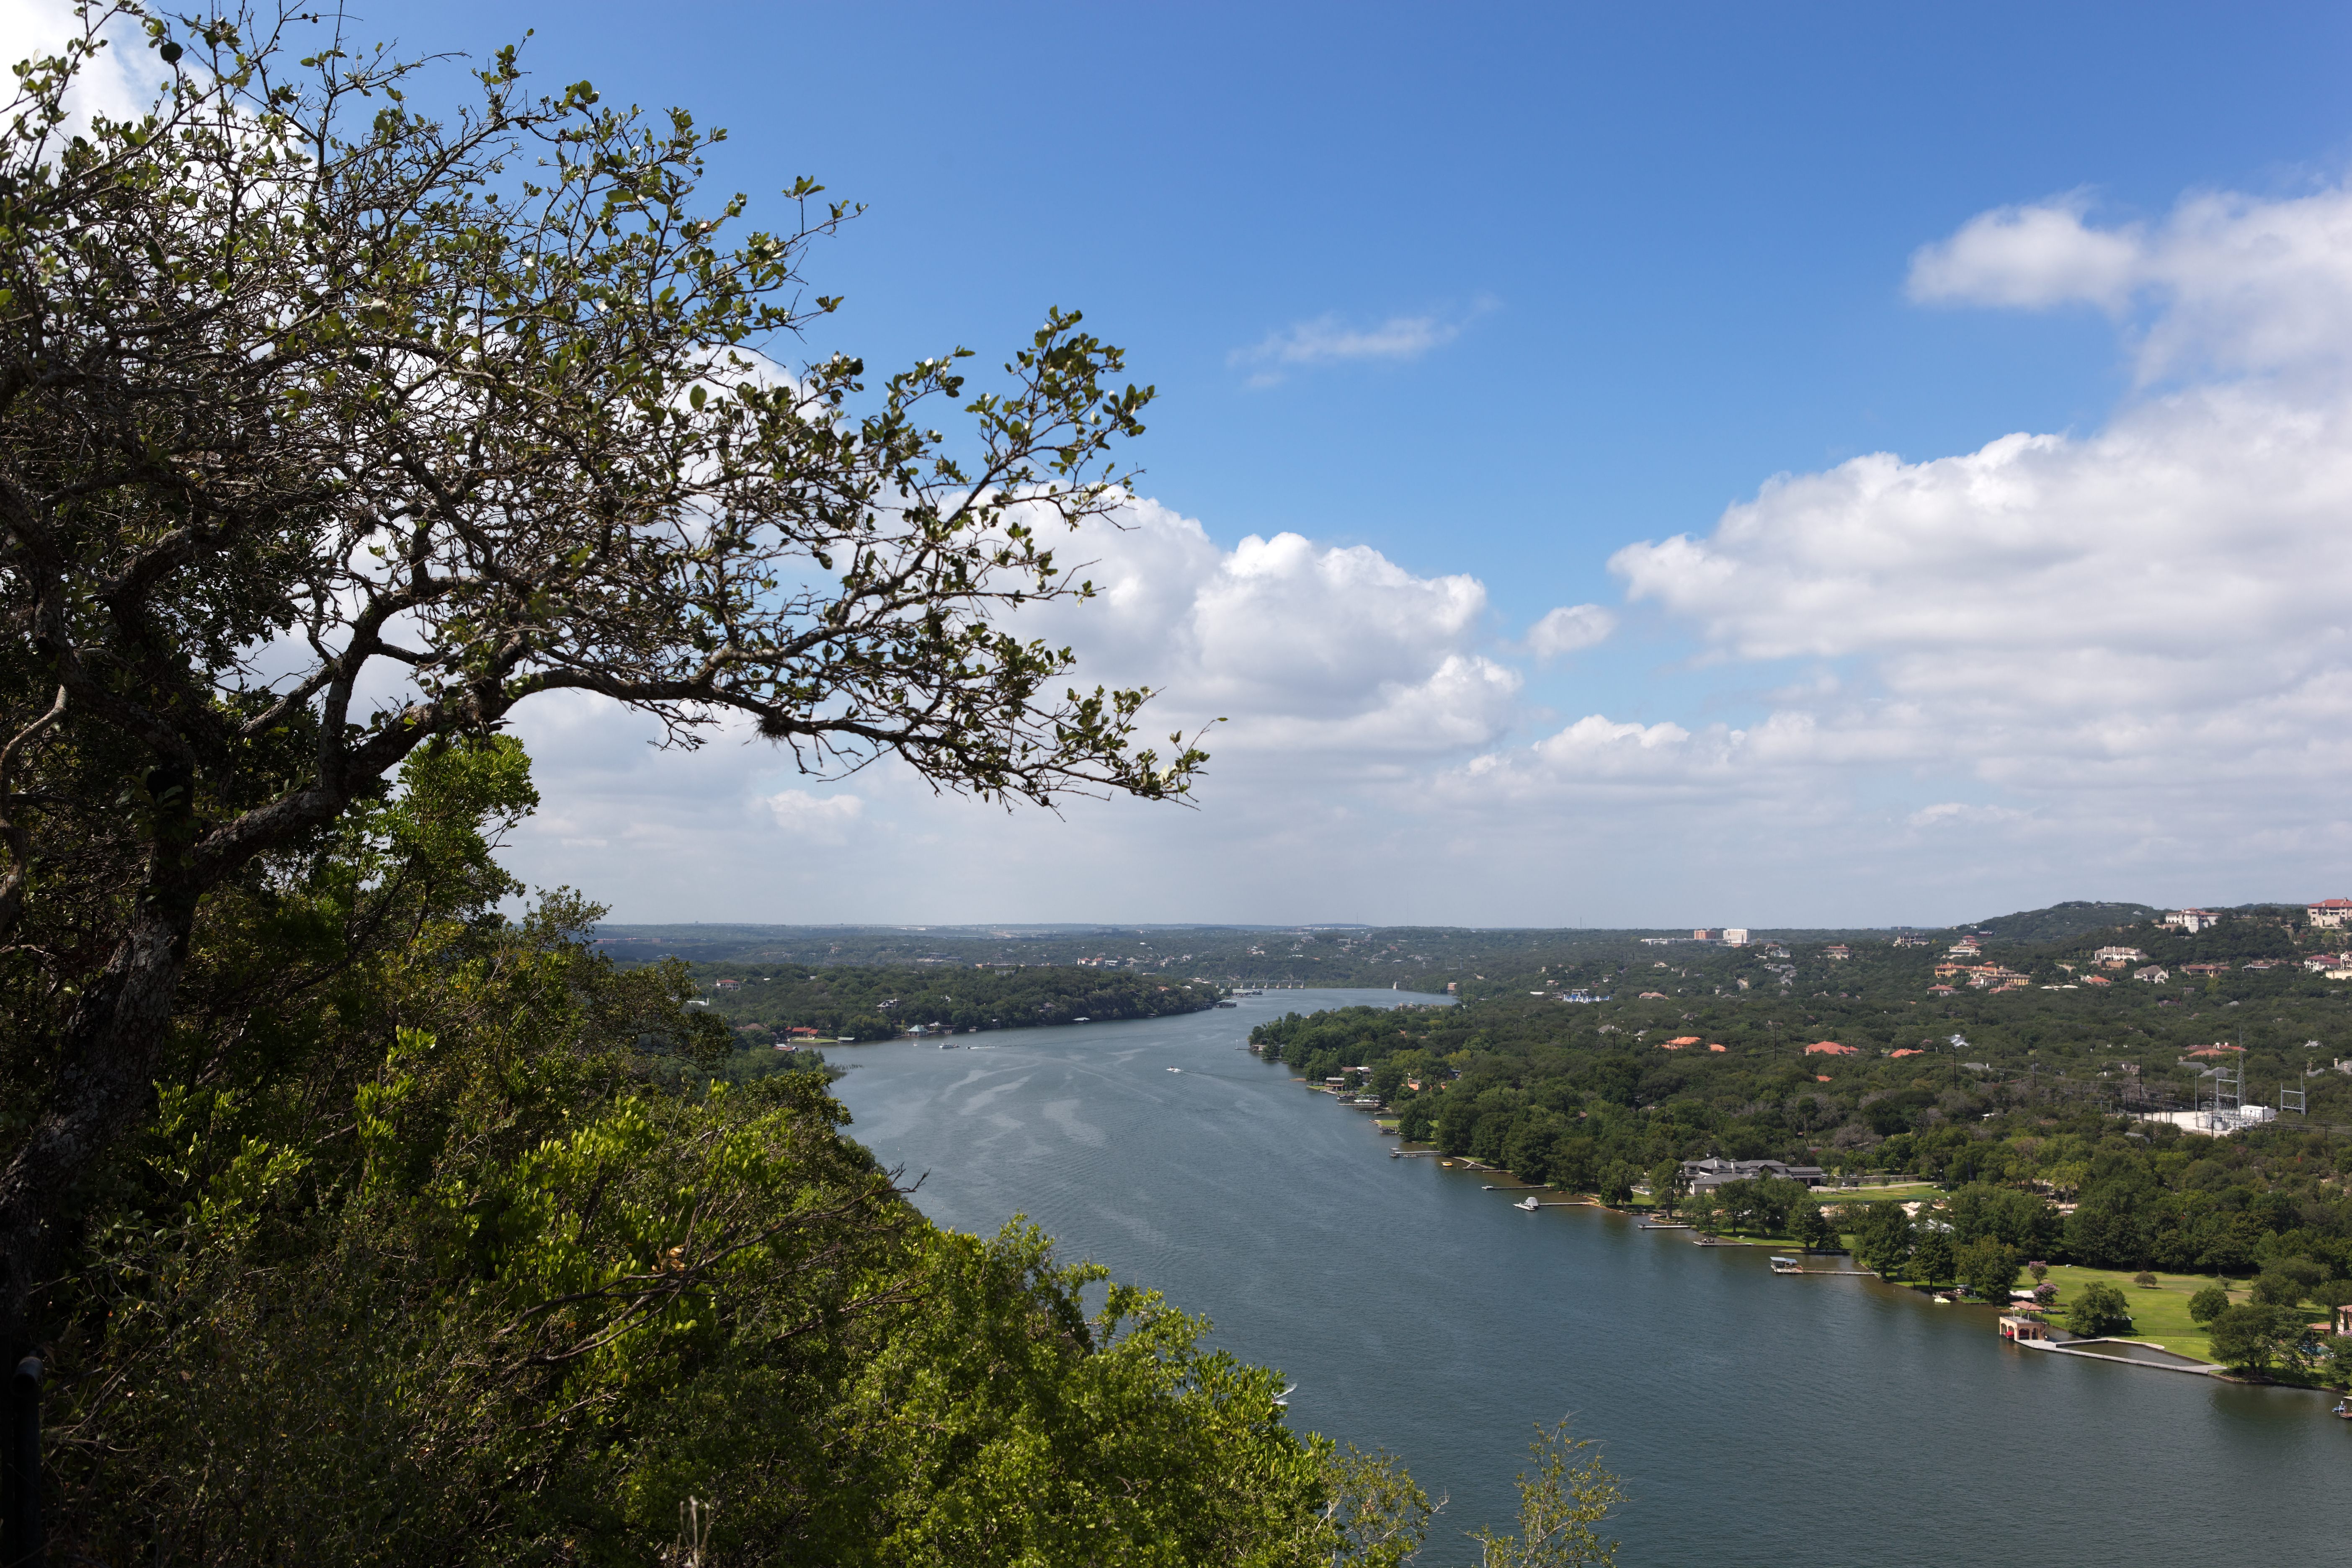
(2237, 284)
(822, 818)
(2112, 662)
(1570, 628)
(1307, 648)
(1330, 340)
(1338, 673)
(2135, 639)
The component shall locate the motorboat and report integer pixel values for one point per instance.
(1529, 1204)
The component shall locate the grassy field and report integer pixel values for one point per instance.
(2159, 1314)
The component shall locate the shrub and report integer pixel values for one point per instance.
(2146, 1281)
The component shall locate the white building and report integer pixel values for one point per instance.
(2330, 914)
(1735, 936)
(2193, 920)
(2217, 1123)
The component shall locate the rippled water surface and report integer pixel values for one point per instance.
(1756, 1418)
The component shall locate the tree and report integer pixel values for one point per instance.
(1617, 1183)
(2098, 1312)
(2252, 1338)
(1934, 1260)
(1561, 1507)
(1814, 1232)
(2208, 1304)
(1989, 1268)
(1665, 1185)
(330, 432)
(1885, 1237)
(2288, 1282)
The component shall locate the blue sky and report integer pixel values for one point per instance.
(1511, 298)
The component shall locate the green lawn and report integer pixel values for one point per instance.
(2159, 1314)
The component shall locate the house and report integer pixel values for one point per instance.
(2116, 957)
(2193, 921)
(1704, 1174)
(1832, 1048)
(2097, 980)
(802, 1032)
(2207, 969)
(2329, 914)
(1718, 1048)
(2217, 1049)
(1651, 996)
(1677, 1044)
(1941, 991)
(1837, 951)
(1908, 1051)
(2155, 974)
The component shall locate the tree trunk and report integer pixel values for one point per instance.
(105, 1084)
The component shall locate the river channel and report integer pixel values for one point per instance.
(1756, 1418)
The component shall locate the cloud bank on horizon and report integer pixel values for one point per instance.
(2117, 662)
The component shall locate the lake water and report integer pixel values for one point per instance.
(1756, 1418)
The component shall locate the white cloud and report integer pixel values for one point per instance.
(822, 818)
(2113, 663)
(1329, 340)
(2033, 258)
(2238, 284)
(2138, 642)
(1309, 649)
(1570, 628)
(119, 84)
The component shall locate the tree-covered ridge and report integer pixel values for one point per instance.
(444, 1248)
(765, 1004)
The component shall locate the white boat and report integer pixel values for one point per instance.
(1529, 1204)
(1175, 1070)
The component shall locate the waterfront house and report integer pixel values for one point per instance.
(1704, 1176)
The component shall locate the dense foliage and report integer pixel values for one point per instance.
(2022, 1103)
(857, 1002)
(445, 1247)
